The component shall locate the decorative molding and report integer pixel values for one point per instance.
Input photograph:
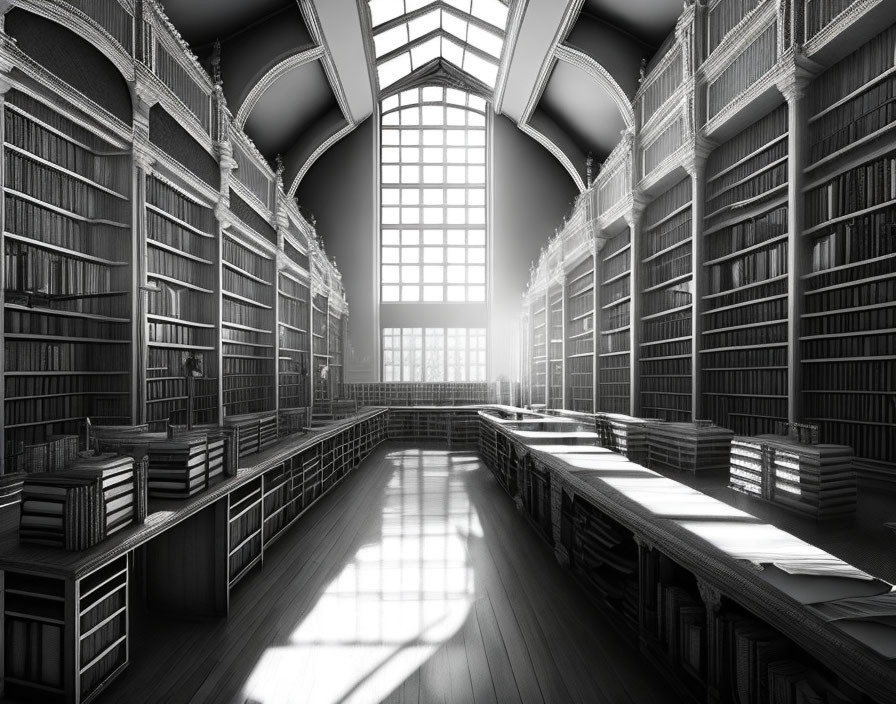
(583, 62)
(313, 23)
(558, 153)
(739, 38)
(839, 23)
(710, 594)
(315, 155)
(271, 76)
(795, 73)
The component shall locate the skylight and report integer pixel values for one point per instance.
(408, 34)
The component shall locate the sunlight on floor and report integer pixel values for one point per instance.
(394, 604)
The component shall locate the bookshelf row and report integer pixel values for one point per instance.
(89, 304)
(763, 340)
(68, 627)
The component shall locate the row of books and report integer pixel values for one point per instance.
(668, 384)
(63, 356)
(581, 345)
(82, 505)
(665, 367)
(854, 346)
(294, 312)
(860, 117)
(754, 267)
(682, 630)
(237, 283)
(775, 331)
(175, 203)
(175, 266)
(673, 231)
(21, 130)
(865, 186)
(236, 367)
(615, 342)
(31, 411)
(667, 349)
(36, 221)
(877, 441)
(746, 294)
(747, 415)
(674, 296)
(746, 381)
(850, 321)
(174, 334)
(853, 375)
(613, 266)
(615, 317)
(293, 339)
(48, 272)
(669, 326)
(761, 311)
(232, 335)
(866, 237)
(245, 523)
(247, 260)
(580, 303)
(671, 265)
(177, 301)
(240, 313)
(253, 433)
(859, 407)
(172, 234)
(663, 229)
(35, 322)
(747, 233)
(49, 185)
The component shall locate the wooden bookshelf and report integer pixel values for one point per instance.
(181, 256)
(294, 345)
(614, 382)
(555, 344)
(66, 255)
(580, 319)
(67, 625)
(539, 359)
(746, 301)
(248, 327)
(667, 298)
(849, 321)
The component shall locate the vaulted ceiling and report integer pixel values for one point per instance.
(300, 74)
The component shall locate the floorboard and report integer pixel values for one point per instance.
(415, 581)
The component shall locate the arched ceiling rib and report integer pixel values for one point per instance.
(301, 74)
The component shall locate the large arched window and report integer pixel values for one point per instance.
(434, 234)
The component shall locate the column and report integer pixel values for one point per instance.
(5, 68)
(793, 86)
(598, 245)
(143, 100)
(696, 168)
(634, 220)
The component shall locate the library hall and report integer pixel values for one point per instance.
(448, 351)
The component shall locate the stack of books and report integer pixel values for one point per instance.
(178, 468)
(80, 506)
(689, 447)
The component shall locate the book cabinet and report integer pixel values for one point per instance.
(614, 348)
(721, 616)
(579, 338)
(760, 199)
(66, 614)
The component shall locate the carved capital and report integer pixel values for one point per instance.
(222, 212)
(795, 75)
(694, 162)
(710, 595)
(633, 213)
(225, 155)
(643, 543)
(142, 158)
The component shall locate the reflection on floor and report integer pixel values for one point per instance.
(416, 581)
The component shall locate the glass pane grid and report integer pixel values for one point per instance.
(434, 354)
(433, 198)
(447, 33)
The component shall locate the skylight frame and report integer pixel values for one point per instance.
(394, 63)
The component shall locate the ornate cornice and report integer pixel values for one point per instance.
(739, 38)
(839, 23)
(558, 153)
(315, 155)
(270, 77)
(795, 73)
(585, 63)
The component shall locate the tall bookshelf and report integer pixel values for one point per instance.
(67, 271)
(580, 337)
(745, 339)
(320, 316)
(294, 361)
(848, 341)
(247, 327)
(335, 339)
(615, 325)
(667, 291)
(555, 346)
(181, 255)
(538, 361)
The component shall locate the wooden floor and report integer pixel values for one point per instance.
(416, 581)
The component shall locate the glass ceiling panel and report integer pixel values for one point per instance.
(470, 36)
